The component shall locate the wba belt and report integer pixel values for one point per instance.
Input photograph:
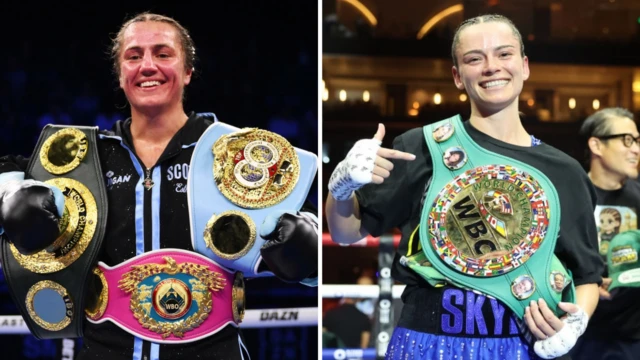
(169, 296)
(489, 223)
(49, 287)
(237, 178)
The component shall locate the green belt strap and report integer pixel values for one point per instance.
(444, 266)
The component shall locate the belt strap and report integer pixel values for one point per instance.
(49, 287)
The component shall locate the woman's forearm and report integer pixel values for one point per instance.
(587, 296)
(343, 219)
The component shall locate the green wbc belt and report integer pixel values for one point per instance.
(50, 287)
(489, 224)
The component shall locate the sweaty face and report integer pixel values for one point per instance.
(490, 67)
(617, 158)
(152, 70)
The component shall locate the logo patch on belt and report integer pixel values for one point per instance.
(454, 158)
(64, 151)
(230, 235)
(558, 281)
(255, 168)
(50, 305)
(443, 132)
(171, 298)
(523, 287)
(489, 220)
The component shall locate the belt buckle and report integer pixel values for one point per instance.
(169, 296)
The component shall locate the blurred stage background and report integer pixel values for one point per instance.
(257, 66)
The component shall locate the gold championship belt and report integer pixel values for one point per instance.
(237, 178)
(49, 287)
(255, 168)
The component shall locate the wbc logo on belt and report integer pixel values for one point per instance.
(489, 220)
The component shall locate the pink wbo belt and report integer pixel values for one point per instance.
(169, 296)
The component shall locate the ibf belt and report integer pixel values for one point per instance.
(49, 287)
(169, 296)
(489, 223)
(237, 178)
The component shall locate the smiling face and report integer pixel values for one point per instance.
(490, 67)
(616, 158)
(152, 66)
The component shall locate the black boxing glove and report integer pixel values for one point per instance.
(30, 211)
(291, 251)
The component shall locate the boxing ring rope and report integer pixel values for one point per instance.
(357, 291)
(263, 318)
(348, 354)
(384, 292)
(368, 241)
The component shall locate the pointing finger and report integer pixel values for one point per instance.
(395, 154)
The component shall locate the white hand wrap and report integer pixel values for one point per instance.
(355, 171)
(561, 342)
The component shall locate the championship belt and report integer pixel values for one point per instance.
(169, 296)
(49, 287)
(237, 178)
(489, 223)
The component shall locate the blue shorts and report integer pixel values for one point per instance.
(408, 344)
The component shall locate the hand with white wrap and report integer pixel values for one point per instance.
(367, 162)
(555, 336)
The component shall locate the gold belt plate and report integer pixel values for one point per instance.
(489, 220)
(77, 226)
(168, 304)
(255, 168)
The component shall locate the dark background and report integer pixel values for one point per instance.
(257, 66)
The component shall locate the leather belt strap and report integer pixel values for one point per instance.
(50, 287)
